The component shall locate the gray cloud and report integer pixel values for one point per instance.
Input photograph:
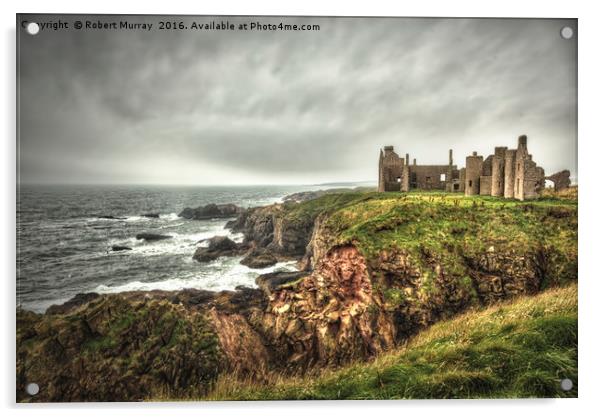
(289, 107)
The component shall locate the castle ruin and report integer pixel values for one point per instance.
(508, 173)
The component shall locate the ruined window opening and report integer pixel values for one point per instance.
(398, 179)
(442, 177)
(470, 183)
(456, 187)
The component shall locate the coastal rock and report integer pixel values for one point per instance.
(77, 301)
(211, 211)
(109, 217)
(151, 215)
(150, 237)
(322, 239)
(259, 259)
(136, 346)
(330, 316)
(117, 349)
(257, 224)
(275, 280)
(218, 246)
(275, 228)
(119, 248)
(303, 196)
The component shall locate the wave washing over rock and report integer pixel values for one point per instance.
(80, 239)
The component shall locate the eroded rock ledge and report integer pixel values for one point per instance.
(211, 211)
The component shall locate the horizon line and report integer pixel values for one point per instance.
(42, 184)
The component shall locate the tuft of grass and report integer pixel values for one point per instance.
(517, 349)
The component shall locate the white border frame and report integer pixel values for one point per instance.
(590, 292)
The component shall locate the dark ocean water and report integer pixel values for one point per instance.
(63, 248)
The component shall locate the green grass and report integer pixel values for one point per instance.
(519, 349)
(448, 228)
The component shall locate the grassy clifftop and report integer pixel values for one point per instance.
(451, 228)
(517, 349)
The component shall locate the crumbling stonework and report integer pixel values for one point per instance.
(561, 180)
(474, 167)
(396, 174)
(510, 173)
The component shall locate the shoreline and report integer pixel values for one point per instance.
(127, 244)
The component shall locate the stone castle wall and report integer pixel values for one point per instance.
(474, 166)
(510, 173)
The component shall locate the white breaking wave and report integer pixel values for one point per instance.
(169, 217)
(222, 274)
(178, 244)
(136, 219)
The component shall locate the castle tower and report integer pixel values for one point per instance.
(509, 172)
(381, 173)
(405, 178)
(474, 166)
(450, 172)
(497, 171)
(390, 170)
(522, 158)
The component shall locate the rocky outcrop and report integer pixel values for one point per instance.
(151, 237)
(257, 224)
(218, 246)
(138, 345)
(277, 280)
(273, 228)
(259, 259)
(211, 211)
(77, 301)
(116, 349)
(151, 215)
(304, 196)
(111, 217)
(329, 317)
(321, 240)
(120, 248)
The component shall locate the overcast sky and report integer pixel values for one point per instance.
(249, 107)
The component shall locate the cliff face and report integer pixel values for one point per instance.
(274, 228)
(378, 268)
(329, 317)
